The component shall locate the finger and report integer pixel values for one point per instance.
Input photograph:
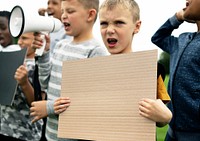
(36, 34)
(32, 109)
(60, 111)
(35, 119)
(33, 114)
(143, 114)
(36, 44)
(143, 103)
(143, 109)
(33, 104)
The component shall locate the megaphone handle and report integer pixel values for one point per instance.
(40, 51)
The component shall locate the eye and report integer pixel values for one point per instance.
(3, 27)
(119, 23)
(103, 24)
(70, 11)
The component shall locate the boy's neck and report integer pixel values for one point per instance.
(84, 36)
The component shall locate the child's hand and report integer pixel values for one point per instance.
(155, 110)
(38, 42)
(61, 104)
(21, 75)
(42, 11)
(38, 110)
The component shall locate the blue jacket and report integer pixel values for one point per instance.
(184, 83)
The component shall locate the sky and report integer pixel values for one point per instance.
(153, 14)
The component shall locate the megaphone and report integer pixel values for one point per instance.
(20, 22)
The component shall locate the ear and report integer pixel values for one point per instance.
(92, 13)
(137, 26)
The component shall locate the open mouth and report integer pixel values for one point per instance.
(50, 13)
(66, 25)
(112, 42)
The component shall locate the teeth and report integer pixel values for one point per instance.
(112, 40)
(66, 24)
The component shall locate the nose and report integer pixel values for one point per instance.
(50, 5)
(64, 15)
(19, 42)
(110, 29)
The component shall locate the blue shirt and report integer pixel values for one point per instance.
(184, 83)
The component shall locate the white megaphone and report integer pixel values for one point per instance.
(20, 23)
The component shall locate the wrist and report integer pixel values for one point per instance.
(179, 17)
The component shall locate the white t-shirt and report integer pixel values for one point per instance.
(10, 48)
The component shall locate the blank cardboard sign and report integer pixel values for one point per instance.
(104, 93)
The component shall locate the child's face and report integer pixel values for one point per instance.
(192, 11)
(54, 8)
(25, 41)
(117, 29)
(5, 36)
(74, 17)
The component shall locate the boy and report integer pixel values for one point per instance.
(117, 30)
(7, 42)
(16, 122)
(54, 9)
(184, 74)
(78, 17)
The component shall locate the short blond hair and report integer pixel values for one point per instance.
(90, 4)
(131, 5)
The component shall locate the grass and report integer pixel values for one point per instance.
(161, 133)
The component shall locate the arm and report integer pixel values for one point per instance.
(21, 75)
(44, 64)
(39, 109)
(163, 36)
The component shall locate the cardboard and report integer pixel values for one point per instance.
(9, 63)
(104, 93)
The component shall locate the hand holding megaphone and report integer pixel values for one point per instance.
(41, 42)
(21, 22)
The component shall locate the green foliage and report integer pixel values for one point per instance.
(164, 60)
(161, 133)
(15, 40)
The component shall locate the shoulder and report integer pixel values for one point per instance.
(11, 48)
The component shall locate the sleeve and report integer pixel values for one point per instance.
(162, 93)
(50, 107)
(98, 51)
(163, 36)
(44, 66)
